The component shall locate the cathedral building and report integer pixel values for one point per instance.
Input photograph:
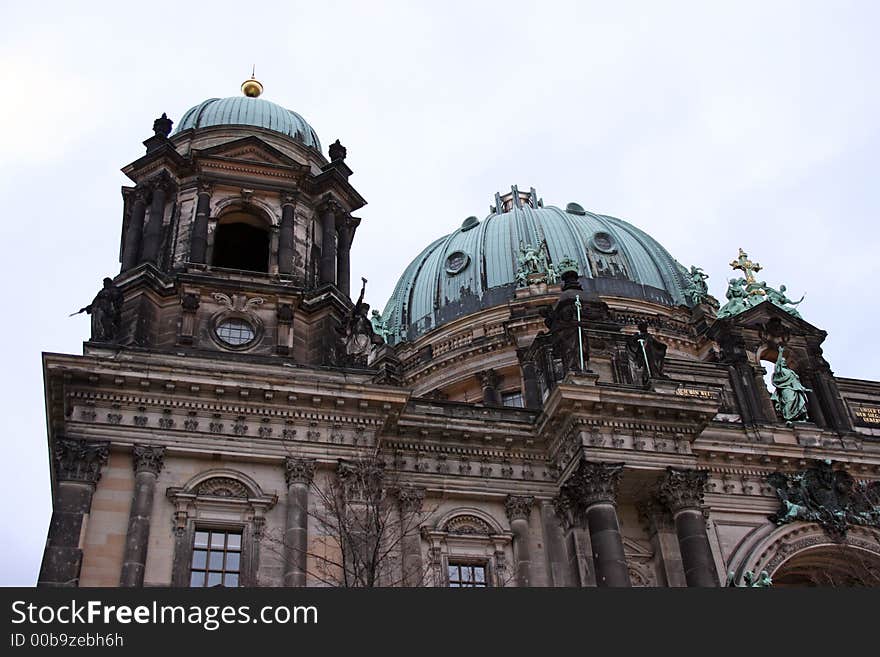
(549, 398)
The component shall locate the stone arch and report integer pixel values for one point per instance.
(211, 482)
(469, 520)
(790, 550)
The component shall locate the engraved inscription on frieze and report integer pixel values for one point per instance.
(865, 415)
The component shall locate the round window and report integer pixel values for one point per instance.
(235, 332)
(456, 262)
(604, 242)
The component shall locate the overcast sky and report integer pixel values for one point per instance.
(710, 125)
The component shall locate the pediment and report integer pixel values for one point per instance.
(766, 312)
(250, 149)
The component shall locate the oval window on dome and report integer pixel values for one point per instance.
(235, 332)
(604, 242)
(457, 262)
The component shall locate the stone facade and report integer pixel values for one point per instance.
(604, 476)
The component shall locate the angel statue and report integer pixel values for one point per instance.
(778, 298)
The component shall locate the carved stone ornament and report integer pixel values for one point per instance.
(831, 498)
(148, 459)
(298, 471)
(682, 489)
(222, 487)
(591, 483)
(190, 302)
(411, 499)
(467, 524)
(518, 506)
(79, 460)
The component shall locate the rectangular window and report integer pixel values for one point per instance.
(512, 399)
(216, 558)
(467, 575)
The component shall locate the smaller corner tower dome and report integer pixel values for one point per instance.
(249, 110)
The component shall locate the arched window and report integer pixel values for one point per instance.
(241, 241)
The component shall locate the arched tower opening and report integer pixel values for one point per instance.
(241, 241)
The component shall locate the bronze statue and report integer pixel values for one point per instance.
(779, 298)
(106, 312)
(737, 299)
(790, 396)
(648, 353)
(698, 291)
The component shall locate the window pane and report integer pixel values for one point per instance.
(215, 561)
(453, 572)
(480, 574)
(233, 541)
(466, 573)
(217, 539)
(200, 559)
(214, 579)
(197, 579)
(231, 579)
(201, 539)
(232, 559)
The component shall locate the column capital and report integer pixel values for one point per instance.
(289, 197)
(148, 458)
(80, 460)
(205, 187)
(411, 498)
(329, 204)
(682, 489)
(489, 378)
(345, 226)
(298, 470)
(140, 193)
(518, 507)
(592, 483)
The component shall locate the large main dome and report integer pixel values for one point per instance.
(243, 110)
(475, 266)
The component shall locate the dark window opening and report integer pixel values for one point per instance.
(241, 246)
(216, 559)
(466, 576)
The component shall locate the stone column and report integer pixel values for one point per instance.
(531, 387)
(346, 226)
(286, 234)
(198, 248)
(410, 499)
(681, 491)
(557, 561)
(77, 471)
(489, 381)
(591, 494)
(518, 508)
(328, 243)
(298, 473)
(147, 465)
(135, 230)
(153, 229)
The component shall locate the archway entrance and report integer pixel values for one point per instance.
(829, 565)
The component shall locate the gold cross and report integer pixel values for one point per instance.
(748, 267)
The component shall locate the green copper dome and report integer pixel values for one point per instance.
(475, 267)
(243, 110)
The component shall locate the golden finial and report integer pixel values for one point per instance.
(252, 87)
